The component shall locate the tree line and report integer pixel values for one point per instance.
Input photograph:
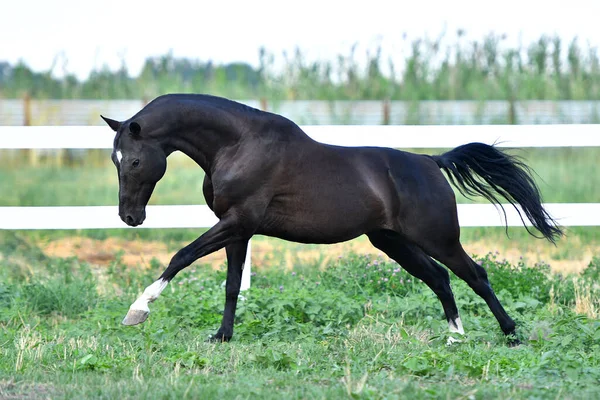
(465, 70)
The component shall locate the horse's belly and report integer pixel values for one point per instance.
(324, 221)
(302, 232)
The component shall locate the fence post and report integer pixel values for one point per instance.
(512, 112)
(512, 100)
(27, 109)
(386, 111)
(30, 154)
(263, 104)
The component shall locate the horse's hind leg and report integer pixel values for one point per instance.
(421, 266)
(455, 258)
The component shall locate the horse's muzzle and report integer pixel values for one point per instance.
(133, 219)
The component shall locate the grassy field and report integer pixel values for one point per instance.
(360, 328)
(318, 322)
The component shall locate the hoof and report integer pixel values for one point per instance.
(451, 341)
(218, 338)
(512, 339)
(135, 317)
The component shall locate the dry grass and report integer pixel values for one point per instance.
(139, 253)
(585, 302)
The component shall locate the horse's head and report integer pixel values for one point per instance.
(140, 162)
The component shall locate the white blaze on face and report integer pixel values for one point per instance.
(150, 294)
(456, 326)
(119, 156)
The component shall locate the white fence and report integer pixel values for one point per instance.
(193, 216)
(397, 136)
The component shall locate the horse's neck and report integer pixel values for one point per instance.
(202, 132)
(204, 126)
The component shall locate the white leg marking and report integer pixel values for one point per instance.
(119, 156)
(456, 326)
(150, 294)
(451, 341)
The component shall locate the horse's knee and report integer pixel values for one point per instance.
(481, 272)
(440, 283)
(438, 274)
(443, 274)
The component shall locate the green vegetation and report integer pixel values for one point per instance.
(362, 328)
(547, 69)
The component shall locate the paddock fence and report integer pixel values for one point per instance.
(396, 136)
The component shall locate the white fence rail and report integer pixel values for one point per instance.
(193, 216)
(197, 216)
(398, 136)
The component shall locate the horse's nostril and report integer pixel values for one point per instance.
(129, 220)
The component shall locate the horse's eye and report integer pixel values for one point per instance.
(135, 163)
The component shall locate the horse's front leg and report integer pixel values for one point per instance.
(236, 255)
(227, 231)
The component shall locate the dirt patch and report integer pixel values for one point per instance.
(105, 252)
(266, 251)
(140, 253)
(10, 390)
(532, 256)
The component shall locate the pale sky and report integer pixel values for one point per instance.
(96, 33)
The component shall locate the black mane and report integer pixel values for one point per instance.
(213, 101)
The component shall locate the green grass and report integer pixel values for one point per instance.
(360, 328)
(93, 185)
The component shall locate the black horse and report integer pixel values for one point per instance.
(265, 176)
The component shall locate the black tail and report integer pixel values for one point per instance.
(471, 163)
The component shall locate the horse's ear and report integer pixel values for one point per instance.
(114, 125)
(135, 128)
